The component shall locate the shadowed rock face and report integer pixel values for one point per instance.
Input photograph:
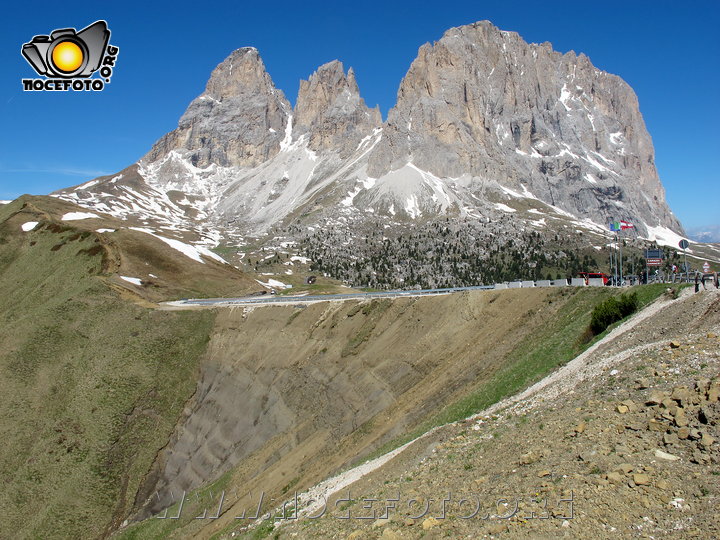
(483, 102)
(239, 120)
(330, 109)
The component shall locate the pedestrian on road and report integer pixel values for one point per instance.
(717, 281)
(697, 281)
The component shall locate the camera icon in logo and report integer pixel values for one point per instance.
(66, 53)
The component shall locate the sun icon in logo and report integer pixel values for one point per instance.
(67, 56)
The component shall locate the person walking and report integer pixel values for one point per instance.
(697, 281)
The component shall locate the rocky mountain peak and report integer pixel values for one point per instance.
(486, 129)
(329, 108)
(482, 102)
(351, 80)
(239, 120)
(243, 72)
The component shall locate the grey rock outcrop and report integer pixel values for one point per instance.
(483, 102)
(239, 120)
(329, 108)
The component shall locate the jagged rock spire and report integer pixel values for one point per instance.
(329, 108)
(238, 120)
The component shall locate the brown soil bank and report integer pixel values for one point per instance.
(289, 395)
(620, 444)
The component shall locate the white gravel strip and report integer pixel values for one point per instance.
(583, 366)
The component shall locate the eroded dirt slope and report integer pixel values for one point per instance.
(628, 432)
(289, 395)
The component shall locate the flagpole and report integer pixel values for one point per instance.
(617, 265)
(614, 249)
(613, 253)
(614, 268)
(615, 228)
(614, 259)
(621, 264)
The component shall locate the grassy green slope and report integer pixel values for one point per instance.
(90, 385)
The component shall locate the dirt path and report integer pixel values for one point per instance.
(590, 363)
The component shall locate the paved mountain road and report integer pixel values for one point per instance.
(309, 299)
(284, 300)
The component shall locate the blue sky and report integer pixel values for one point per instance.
(667, 51)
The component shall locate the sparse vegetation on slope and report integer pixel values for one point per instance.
(612, 310)
(91, 385)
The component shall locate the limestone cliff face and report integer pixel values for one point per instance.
(239, 120)
(329, 108)
(484, 102)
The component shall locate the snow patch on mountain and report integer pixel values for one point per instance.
(175, 172)
(274, 284)
(89, 184)
(665, 237)
(76, 216)
(133, 280)
(414, 190)
(504, 208)
(193, 252)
